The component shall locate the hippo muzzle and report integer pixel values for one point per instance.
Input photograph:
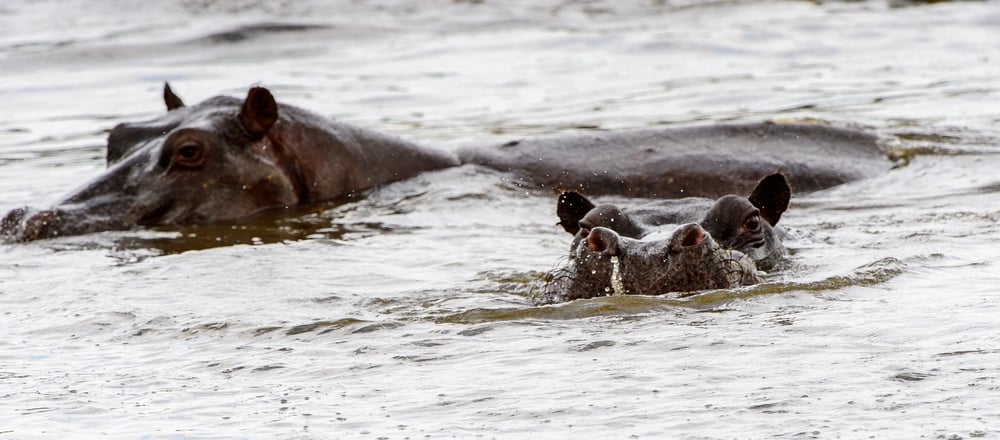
(605, 263)
(26, 224)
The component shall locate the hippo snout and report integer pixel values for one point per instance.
(689, 236)
(603, 240)
(11, 222)
(26, 224)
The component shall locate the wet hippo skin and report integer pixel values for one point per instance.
(225, 159)
(680, 245)
(228, 158)
(700, 161)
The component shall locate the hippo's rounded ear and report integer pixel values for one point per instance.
(771, 197)
(571, 209)
(259, 112)
(173, 101)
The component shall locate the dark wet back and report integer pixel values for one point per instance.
(702, 161)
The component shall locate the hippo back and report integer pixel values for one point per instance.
(704, 161)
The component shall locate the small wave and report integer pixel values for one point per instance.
(874, 273)
(579, 309)
(257, 30)
(321, 326)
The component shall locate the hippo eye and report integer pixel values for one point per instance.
(188, 151)
(189, 155)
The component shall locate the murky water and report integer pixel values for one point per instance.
(405, 313)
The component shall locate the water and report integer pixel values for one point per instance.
(405, 312)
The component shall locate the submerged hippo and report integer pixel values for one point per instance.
(224, 159)
(227, 158)
(641, 251)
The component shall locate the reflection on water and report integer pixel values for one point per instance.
(406, 311)
(317, 221)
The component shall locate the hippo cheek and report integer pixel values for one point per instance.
(183, 209)
(162, 213)
(273, 190)
(229, 202)
(749, 235)
(756, 252)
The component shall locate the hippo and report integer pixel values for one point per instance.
(721, 243)
(226, 159)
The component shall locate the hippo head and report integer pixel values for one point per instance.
(603, 263)
(745, 224)
(642, 250)
(216, 160)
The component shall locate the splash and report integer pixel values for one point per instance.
(616, 277)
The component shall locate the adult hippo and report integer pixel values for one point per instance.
(224, 159)
(642, 250)
(227, 158)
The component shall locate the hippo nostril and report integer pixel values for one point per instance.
(25, 224)
(11, 222)
(595, 243)
(603, 240)
(693, 237)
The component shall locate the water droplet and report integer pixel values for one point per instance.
(616, 277)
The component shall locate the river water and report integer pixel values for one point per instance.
(405, 312)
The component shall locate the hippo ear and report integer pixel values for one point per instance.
(173, 101)
(259, 112)
(771, 197)
(571, 209)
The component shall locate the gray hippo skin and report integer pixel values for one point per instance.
(605, 263)
(720, 244)
(698, 161)
(225, 159)
(744, 223)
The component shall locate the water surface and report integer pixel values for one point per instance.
(405, 312)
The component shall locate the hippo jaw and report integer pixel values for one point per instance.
(107, 212)
(123, 208)
(106, 203)
(604, 263)
(28, 224)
